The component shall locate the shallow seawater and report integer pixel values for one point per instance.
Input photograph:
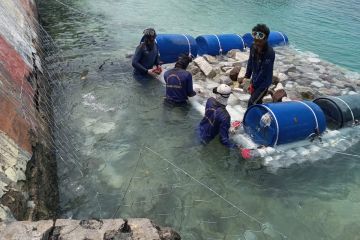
(137, 158)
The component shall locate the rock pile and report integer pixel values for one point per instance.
(297, 75)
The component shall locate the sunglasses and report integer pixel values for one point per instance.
(258, 35)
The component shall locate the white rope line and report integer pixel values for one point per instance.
(220, 49)
(277, 123)
(343, 153)
(187, 39)
(315, 117)
(241, 40)
(347, 105)
(211, 190)
(76, 10)
(283, 37)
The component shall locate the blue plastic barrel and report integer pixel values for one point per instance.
(219, 44)
(171, 46)
(271, 124)
(275, 39)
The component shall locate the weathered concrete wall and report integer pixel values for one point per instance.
(27, 165)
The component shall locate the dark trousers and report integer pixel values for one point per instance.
(257, 96)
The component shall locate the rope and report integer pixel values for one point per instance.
(242, 40)
(347, 154)
(277, 124)
(76, 10)
(283, 37)
(352, 114)
(315, 117)
(131, 179)
(211, 190)
(187, 39)
(220, 49)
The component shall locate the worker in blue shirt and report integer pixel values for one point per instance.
(217, 119)
(179, 84)
(146, 58)
(260, 64)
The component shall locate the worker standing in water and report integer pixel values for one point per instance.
(217, 119)
(260, 64)
(179, 84)
(146, 60)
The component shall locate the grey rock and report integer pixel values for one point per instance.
(200, 76)
(242, 56)
(282, 77)
(234, 73)
(339, 84)
(210, 59)
(205, 67)
(232, 53)
(293, 74)
(305, 92)
(317, 84)
(26, 230)
(225, 80)
(193, 69)
(329, 91)
(291, 69)
(168, 234)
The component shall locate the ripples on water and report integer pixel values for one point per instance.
(114, 117)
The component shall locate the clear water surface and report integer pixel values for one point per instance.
(125, 135)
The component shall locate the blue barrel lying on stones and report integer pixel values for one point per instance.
(272, 124)
(219, 44)
(171, 46)
(340, 111)
(275, 39)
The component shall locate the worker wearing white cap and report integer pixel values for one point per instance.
(217, 119)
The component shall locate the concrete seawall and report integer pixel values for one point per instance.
(27, 164)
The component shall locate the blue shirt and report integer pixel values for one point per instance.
(145, 58)
(179, 85)
(260, 67)
(215, 121)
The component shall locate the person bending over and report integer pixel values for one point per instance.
(217, 119)
(179, 84)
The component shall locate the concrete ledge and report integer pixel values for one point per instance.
(100, 229)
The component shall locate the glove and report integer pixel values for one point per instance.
(235, 124)
(251, 88)
(157, 70)
(246, 153)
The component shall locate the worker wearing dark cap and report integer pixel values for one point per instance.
(179, 84)
(146, 58)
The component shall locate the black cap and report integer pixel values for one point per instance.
(183, 61)
(149, 32)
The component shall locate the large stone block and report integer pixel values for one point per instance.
(205, 67)
(242, 56)
(26, 230)
(141, 229)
